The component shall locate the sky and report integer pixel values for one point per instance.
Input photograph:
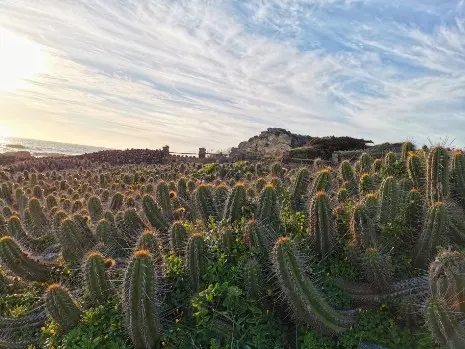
(208, 73)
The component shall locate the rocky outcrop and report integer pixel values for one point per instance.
(274, 142)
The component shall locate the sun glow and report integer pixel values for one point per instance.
(20, 60)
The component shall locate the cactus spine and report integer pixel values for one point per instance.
(308, 304)
(321, 224)
(322, 182)
(140, 301)
(416, 170)
(348, 176)
(61, 307)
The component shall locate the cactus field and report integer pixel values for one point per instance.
(237, 255)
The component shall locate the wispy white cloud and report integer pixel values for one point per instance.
(212, 73)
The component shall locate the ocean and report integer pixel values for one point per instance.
(40, 148)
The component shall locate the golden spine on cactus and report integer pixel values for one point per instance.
(416, 170)
(306, 301)
(348, 176)
(366, 183)
(322, 182)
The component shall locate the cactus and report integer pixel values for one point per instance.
(150, 242)
(444, 324)
(51, 202)
(348, 176)
(178, 237)
(321, 224)
(39, 220)
(378, 268)
(116, 202)
(389, 167)
(195, 260)
(260, 184)
(62, 307)
(363, 226)
(220, 197)
(203, 201)
(366, 184)
(307, 303)
(15, 258)
(235, 203)
(457, 178)
(413, 214)
(97, 282)
(154, 215)
(437, 175)
(226, 239)
(389, 201)
(366, 161)
(253, 279)
(182, 188)
(130, 225)
(377, 166)
(407, 148)
(322, 182)
(268, 211)
(300, 189)
(447, 278)
(140, 301)
(416, 170)
(95, 208)
(37, 192)
(276, 170)
(433, 232)
(163, 196)
(75, 241)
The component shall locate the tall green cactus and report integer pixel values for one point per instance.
(195, 260)
(363, 222)
(140, 301)
(413, 214)
(447, 278)
(182, 188)
(366, 184)
(163, 196)
(154, 215)
(204, 204)
(116, 202)
(366, 161)
(378, 268)
(130, 225)
(407, 148)
(253, 279)
(307, 303)
(178, 237)
(268, 207)
(299, 189)
(62, 307)
(97, 281)
(348, 176)
(377, 166)
(444, 324)
(389, 201)
(457, 177)
(321, 224)
(389, 167)
(75, 242)
(95, 208)
(416, 170)
(39, 219)
(51, 202)
(220, 196)
(21, 263)
(434, 230)
(235, 203)
(149, 241)
(322, 182)
(437, 175)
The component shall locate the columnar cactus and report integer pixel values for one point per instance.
(51, 202)
(389, 164)
(416, 170)
(74, 240)
(307, 303)
(321, 224)
(363, 223)
(163, 196)
(447, 278)
(276, 170)
(389, 201)
(195, 260)
(378, 268)
(366, 184)
(182, 188)
(154, 215)
(253, 279)
(235, 203)
(437, 175)
(366, 161)
(130, 224)
(204, 204)
(414, 213)
(150, 242)
(407, 148)
(178, 237)
(221, 194)
(433, 232)
(300, 189)
(116, 202)
(62, 307)
(21, 263)
(140, 301)
(260, 184)
(322, 182)
(348, 176)
(457, 177)
(268, 210)
(98, 283)
(444, 324)
(377, 166)
(95, 208)
(39, 220)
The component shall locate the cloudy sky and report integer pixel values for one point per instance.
(144, 73)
